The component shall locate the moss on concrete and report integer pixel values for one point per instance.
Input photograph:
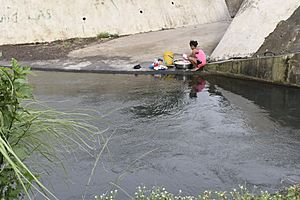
(293, 74)
(283, 70)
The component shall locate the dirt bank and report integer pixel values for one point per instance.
(233, 6)
(45, 51)
(285, 38)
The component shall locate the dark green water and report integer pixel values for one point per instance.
(207, 134)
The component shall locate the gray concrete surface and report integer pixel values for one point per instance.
(123, 53)
(145, 47)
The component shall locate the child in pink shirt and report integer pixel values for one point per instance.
(198, 57)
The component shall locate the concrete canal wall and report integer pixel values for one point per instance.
(27, 21)
(283, 70)
(255, 20)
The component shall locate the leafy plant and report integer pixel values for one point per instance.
(14, 174)
(28, 128)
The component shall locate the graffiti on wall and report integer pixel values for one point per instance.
(9, 15)
(40, 15)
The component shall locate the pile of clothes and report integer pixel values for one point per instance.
(158, 64)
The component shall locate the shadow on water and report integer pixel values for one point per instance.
(169, 102)
(282, 103)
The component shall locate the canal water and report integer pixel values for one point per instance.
(181, 133)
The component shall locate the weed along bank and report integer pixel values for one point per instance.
(149, 100)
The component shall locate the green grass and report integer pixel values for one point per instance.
(106, 35)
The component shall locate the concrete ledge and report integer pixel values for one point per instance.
(281, 70)
(108, 71)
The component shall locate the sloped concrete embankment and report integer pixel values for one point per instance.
(254, 22)
(45, 21)
(282, 70)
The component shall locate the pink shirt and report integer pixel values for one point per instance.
(202, 57)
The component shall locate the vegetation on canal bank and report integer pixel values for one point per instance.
(105, 35)
(292, 193)
(29, 129)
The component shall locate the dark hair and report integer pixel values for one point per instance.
(193, 43)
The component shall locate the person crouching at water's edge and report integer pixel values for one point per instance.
(198, 57)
